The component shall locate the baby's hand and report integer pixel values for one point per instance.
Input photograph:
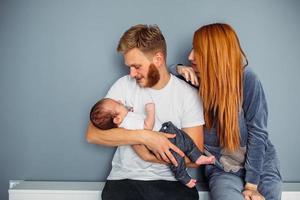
(150, 107)
(192, 183)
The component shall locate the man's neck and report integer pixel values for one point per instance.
(163, 80)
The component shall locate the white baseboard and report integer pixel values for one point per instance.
(51, 190)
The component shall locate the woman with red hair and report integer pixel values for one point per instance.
(235, 111)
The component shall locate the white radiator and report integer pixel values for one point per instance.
(50, 190)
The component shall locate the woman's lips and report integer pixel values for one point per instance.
(194, 66)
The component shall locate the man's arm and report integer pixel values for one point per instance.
(196, 133)
(158, 143)
(145, 154)
(113, 137)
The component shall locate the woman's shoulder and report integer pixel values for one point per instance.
(253, 90)
(251, 79)
(249, 74)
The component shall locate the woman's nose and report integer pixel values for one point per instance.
(191, 55)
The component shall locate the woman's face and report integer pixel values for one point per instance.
(193, 62)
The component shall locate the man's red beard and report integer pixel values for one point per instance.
(153, 76)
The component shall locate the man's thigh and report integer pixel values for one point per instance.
(147, 190)
(226, 186)
(119, 190)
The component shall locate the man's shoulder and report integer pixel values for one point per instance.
(125, 81)
(121, 87)
(181, 85)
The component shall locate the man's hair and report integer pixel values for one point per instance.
(101, 117)
(147, 38)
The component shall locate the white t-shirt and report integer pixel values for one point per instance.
(177, 102)
(133, 121)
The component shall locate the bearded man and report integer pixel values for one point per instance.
(133, 177)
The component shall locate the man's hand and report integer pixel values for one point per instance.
(160, 145)
(250, 192)
(145, 154)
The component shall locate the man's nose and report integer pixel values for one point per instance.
(132, 72)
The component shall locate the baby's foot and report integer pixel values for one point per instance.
(205, 160)
(192, 183)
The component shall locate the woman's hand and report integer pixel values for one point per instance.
(188, 73)
(160, 146)
(252, 195)
(250, 192)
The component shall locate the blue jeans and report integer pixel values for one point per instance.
(228, 186)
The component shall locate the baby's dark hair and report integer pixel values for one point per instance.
(101, 117)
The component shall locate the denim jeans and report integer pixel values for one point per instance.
(228, 186)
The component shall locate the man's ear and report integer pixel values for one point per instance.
(158, 58)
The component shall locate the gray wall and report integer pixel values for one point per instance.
(58, 57)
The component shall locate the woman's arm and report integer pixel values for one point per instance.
(185, 73)
(256, 115)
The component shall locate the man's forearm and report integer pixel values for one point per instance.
(196, 134)
(156, 142)
(146, 155)
(113, 137)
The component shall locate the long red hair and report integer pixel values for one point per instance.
(220, 61)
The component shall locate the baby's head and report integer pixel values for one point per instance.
(108, 113)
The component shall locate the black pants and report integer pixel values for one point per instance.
(147, 190)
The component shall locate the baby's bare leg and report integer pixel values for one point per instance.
(191, 183)
(150, 116)
(205, 160)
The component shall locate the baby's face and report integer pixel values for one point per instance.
(119, 109)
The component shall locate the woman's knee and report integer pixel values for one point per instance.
(226, 186)
(270, 189)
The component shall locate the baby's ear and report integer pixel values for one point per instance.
(117, 120)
